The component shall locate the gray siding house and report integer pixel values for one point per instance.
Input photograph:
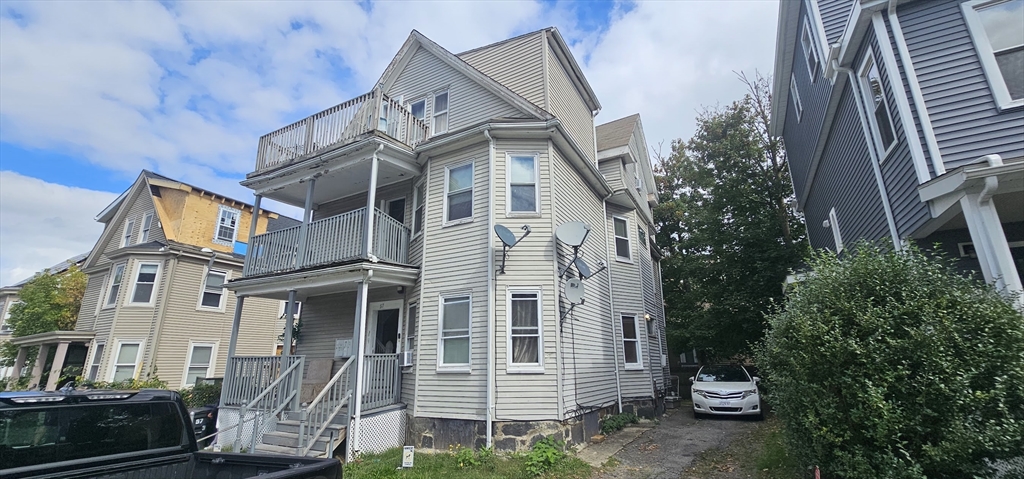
(904, 121)
(418, 326)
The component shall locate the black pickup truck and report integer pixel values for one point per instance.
(142, 434)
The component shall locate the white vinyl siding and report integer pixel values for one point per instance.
(632, 356)
(524, 325)
(147, 224)
(213, 292)
(874, 94)
(94, 364)
(116, 278)
(200, 362)
(997, 29)
(455, 332)
(126, 361)
(227, 226)
(126, 237)
(439, 123)
(458, 194)
(622, 247)
(144, 286)
(523, 193)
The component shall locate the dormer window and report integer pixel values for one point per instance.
(147, 223)
(440, 123)
(126, 237)
(227, 226)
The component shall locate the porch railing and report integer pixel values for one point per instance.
(381, 381)
(321, 412)
(329, 240)
(246, 377)
(279, 395)
(338, 125)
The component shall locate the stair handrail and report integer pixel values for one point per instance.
(306, 441)
(284, 376)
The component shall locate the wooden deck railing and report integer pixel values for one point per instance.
(329, 240)
(381, 381)
(337, 126)
(246, 377)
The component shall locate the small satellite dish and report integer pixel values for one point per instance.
(505, 235)
(582, 267)
(573, 233)
(574, 291)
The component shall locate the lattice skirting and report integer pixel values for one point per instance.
(380, 432)
(229, 416)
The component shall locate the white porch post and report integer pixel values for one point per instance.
(19, 364)
(289, 324)
(235, 323)
(371, 198)
(359, 336)
(57, 366)
(307, 215)
(990, 244)
(37, 369)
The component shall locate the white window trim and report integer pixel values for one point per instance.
(615, 246)
(472, 192)
(216, 225)
(143, 231)
(422, 184)
(508, 185)
(188, 360)
(837, 237)
(456, 367)
(527, 368)
(92, 359)
(639, 365)
(867, 94)
(385, 206)
(433, 113)
(798, 104)
(117, 352)
(812, 72)
(134, 281)
(126, 235)
(407, 347)
(408, 106)
(987, 57)
(105, 300)
(223, 294)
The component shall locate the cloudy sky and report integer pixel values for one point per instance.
(93, 92)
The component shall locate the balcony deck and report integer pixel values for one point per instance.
(329, 240)
(338, 126)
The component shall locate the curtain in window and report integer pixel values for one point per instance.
(525, 330)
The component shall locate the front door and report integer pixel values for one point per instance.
(382, 330)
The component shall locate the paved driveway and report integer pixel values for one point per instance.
(666, 450)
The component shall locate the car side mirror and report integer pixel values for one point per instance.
(757, 380)
(691, 379)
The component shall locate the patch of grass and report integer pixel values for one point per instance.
(459, 464)
(610, 463)
(760, 454)
(774, 461)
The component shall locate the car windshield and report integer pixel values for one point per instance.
(732, 374)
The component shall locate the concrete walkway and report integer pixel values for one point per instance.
(598, 454)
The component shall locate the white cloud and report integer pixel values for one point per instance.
(42, 224)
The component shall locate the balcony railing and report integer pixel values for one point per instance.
(338, 125)
(329, 240)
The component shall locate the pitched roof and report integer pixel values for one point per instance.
(55, 269)
(616, 133)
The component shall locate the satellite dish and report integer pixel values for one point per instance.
(582, 267)
(573, 233)
(574, 291)
(505, 235)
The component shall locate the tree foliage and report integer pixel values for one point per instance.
(724, 219)
(891, 365)
(49, 302)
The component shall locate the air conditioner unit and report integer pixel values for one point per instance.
(407, 357)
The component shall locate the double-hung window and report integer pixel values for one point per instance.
(523, 193)
(798, 105)
(145, 283)
(622, 248)
(810, 53)
(418, 109)
(455, 331)
(642, 236)
(631, 355)
(126, 361)
(227, 226)
(440, 123)
(409, 336)
(419, 203)
(126, 237)
(200, 362)
(998, 33)
(213, 290)
(526, 347)
(94, 365)
(458, 193)
(147, 224)
(115, 284)
(874, 94)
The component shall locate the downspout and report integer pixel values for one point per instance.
(896, 243)
(611, 304)
(371, 197)
(915, 92)
(490, 289)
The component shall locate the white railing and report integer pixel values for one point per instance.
(329, 240)
(245, 377)
(381, 381)
(338, 125)
(319, 414)
(279, 395)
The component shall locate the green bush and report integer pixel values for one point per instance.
(201, 394)
(615, 422)
(151, 382)
(890, 365)
(544, 455)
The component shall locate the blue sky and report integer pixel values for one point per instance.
(93, 92)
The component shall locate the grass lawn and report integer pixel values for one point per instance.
(454, 466)
(761, 454)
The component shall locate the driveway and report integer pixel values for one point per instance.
(667, 450)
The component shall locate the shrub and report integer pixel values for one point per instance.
(151, 382)
(201, 394)
(544, 455)
(890, 365)
(615, 422)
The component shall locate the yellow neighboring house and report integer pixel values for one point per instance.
(155, 304)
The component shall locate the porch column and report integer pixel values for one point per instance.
(37, 369)
(19, 364)
(235, 323)
(307, 215)
(289, 324)
(359, 336)
(990, 244)
(57, 365)
(371, 198)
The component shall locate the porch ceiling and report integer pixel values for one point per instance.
(325, 280)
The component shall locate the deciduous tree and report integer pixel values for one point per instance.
(49, 302)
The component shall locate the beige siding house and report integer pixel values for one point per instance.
(155, 305)
(419, 326)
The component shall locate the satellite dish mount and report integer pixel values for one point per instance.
(573, 234)
(508, 240)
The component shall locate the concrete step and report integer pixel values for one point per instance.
(292, 426)
(277, 438)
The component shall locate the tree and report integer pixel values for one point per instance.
(49, 302)
(892, 365)
(725, 220)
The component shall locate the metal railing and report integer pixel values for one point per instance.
(317, 416)
(245, 377)
(381, 381)
(338, 125)
(329, 240)
(278, 396)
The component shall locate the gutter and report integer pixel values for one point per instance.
(611, 304)
(490, 290)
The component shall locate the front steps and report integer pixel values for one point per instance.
(284, 440)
